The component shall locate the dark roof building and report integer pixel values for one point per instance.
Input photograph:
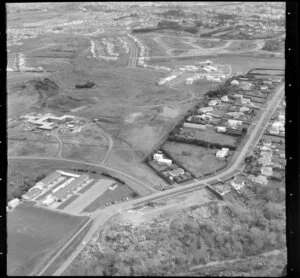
(50, 178)
(31, 193)
(70, 187)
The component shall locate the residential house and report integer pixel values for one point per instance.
(205, 109)
(244, 108)
(237, 183)
(225, 98)
(221, 128)
(245, 100)
(214, 102)
(176, 172)
(259, 179)
(266, 171)
(234, 123)
(158, 157)
(221, 154)
(234, 82)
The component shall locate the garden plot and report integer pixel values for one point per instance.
(198, 160)
(209, 135)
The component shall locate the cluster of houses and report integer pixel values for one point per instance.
(171, 172)
(144, 55)
(110, 50)
(22, 66)
(124, 44)
(278, 126)
(202, 71)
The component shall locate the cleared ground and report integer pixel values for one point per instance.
(34, 235)
(197, 159)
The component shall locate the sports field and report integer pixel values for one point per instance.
(34, 236)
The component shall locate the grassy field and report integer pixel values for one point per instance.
(175, 43)
(108, 196)
(84, 153)
(34, 235)
(209, 43)
(210, 135)
(198, 160)
(25, 148)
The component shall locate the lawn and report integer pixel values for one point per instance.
(108, 196)
(209, 135)
(197, 159)
(34, 236)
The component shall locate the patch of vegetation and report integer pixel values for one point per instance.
(87, 85)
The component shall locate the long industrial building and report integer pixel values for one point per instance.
(64, 191)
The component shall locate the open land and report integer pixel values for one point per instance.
(102, 63)
(34, 235)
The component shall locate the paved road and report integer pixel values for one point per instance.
(133, 53)
(102, 167)
(60, 143)
(103, 215)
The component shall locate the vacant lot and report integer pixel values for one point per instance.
(176, 43)
(35, 235)
(25, 148)
(84, 153)
(198, 160)
(109, 196)
(209, 135)
(209, 43)
(241, 45)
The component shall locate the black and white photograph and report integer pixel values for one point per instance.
(146, 139)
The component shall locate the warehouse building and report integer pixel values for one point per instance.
(47, 180)
(63, 192)
(13, 203)
(33, 192)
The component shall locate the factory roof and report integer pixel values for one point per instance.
(50, 178)
(68, 188)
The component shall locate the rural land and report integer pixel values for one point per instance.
(146, 139)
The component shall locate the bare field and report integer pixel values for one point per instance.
(84, 153)
(197, 159)
(34, 236)
(23, 148)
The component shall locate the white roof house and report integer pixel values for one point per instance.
(245, 100)
(234, 123)
(260, 179)
(221, 128)
(214, 102)
(266, 171)
(165, 161)
(244, 108)
(234, 82)
(237, 183)
(158, 156)
(13, 203)
(224, 98)
(222, 153)
(205, 109)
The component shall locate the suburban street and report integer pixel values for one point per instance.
(98, 216)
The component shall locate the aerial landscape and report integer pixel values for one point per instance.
(146, 138)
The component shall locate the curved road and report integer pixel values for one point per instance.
(103, 215)
(84, 163)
